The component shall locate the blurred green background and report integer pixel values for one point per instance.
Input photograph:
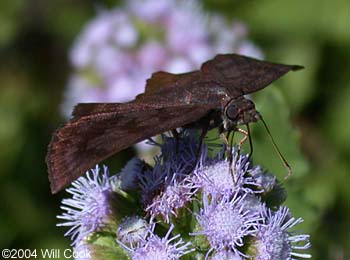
(308, 112)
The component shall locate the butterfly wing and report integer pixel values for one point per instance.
(168, 87)
(241, 75)
(98, 131)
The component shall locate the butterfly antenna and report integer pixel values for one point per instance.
(284, 161)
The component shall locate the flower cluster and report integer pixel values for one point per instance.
(193, 203)
(118, 50)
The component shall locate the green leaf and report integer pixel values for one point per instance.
(106, 248)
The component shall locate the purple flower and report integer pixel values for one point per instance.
(249, 49)
(153, 247)
(218, 176)
(264, 181)
(152, 11)
(274, 241)
(183, 38)
(215, 177)
(151, 181)
(225, 222)
(167, 187)
(165, 190)
(252, 202)
(175, 196)
(91, 207)
(152, 54)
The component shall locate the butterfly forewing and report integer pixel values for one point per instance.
(241, 75)
(85, 141)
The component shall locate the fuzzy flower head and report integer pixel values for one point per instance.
(167, 188)
(252, 202)
(225, 222)
(274, 241)
(219, 176)
(155, 248)
(215, 177)
(120, 48)
(265, 181)
(91, 207)
(175, 196)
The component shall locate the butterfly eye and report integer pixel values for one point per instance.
(232, 112)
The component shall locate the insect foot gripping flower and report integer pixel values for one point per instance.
(93, 207)
(120, 48)
(274, 241)
(152, 247)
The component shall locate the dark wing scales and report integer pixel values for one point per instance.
(162, 85)
(160, 80)
(242, 75)
(83, 142)
(89, 109)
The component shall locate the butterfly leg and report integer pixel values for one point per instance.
(248, 136)
(244, 139)
(228, 143)
(224, 138)
(230, 147)
(232, 158)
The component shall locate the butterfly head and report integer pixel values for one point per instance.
(239, 111)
